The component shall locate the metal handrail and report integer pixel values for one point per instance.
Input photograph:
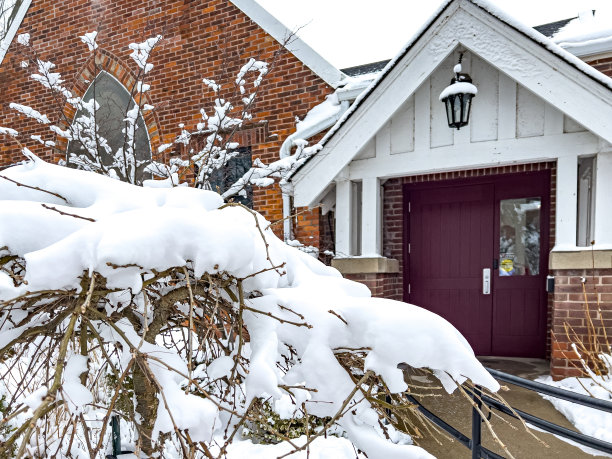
(550, 427)
(474, 444)
(570, 396)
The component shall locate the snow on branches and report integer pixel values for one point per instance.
(86, 134)
(191, 320)
(90, 149)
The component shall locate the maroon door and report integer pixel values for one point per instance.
(459, 230)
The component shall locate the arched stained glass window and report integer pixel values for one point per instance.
(106, 152)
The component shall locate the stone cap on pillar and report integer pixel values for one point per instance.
(366, 265)
(580, 259)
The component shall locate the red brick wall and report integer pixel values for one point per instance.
(604, 65)
(381, 285)
(571, 309)
(210, 39)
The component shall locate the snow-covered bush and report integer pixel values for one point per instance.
(199, 314)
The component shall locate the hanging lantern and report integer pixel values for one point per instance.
(458, 98)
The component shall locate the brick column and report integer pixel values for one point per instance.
(574, 303)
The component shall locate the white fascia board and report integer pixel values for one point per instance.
(6, 43)
(590, 48)
(556, 81)
(314, 61)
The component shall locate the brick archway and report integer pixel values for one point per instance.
(104, 61)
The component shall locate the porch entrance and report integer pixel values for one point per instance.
(477, 254)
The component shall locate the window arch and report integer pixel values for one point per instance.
(104, 152)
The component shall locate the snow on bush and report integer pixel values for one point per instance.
(183, 315)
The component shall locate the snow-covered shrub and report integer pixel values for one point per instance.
(290, 425)
(6, 429)
(200, 310)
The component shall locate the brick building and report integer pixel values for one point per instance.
(211, 39)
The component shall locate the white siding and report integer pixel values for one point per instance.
(529, 114)
(501, 110)
(569, 125)
(441, 135)
(484, 116)
(402, 128)
(368, 150)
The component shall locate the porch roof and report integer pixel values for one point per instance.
(574, 70)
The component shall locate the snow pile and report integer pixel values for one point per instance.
(67, 223)
(587, 420)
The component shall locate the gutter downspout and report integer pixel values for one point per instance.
(285, 151)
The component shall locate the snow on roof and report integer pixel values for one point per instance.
(8, 39)
(589, 33)
(544, 41)
(501, 15)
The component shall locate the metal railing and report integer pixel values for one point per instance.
(116, 439)
(475, 443)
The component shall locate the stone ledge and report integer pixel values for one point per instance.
(581, 259)
(358, 265)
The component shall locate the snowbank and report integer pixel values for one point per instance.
(589, 421)
(66, 222)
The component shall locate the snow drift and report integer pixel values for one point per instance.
(66, 224)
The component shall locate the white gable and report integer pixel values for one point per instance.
(530, 107)
(503, 109)
(509, 124)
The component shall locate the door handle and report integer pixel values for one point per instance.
(486, 281)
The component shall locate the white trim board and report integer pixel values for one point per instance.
(6, 43)
(462, 24)
(314, 61)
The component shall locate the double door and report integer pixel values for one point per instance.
(477, 254)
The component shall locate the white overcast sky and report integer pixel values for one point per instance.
(354, 32)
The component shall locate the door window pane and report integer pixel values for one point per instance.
(519, 238)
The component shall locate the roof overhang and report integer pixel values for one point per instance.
(314, 61)
(10, 36)
(524, 55)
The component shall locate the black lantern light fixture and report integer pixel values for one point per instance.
(458, 98)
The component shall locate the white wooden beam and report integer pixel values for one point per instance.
(371, 218)
(479, 154)
(422, 117)
(603, 195)
(343, 218)
(507, 108)
(567, 201)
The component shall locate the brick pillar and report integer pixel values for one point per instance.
(574, 303)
